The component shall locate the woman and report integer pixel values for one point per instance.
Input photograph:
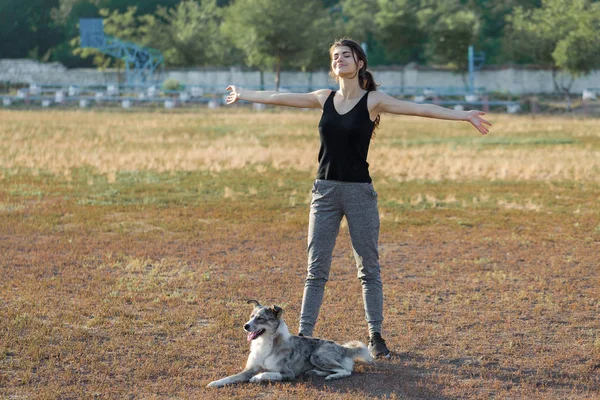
(343, 185)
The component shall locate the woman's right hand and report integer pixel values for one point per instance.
(233, 96)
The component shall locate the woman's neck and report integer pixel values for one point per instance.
(349, 88)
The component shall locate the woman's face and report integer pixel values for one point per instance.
(342, 61)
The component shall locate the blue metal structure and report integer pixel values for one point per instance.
(141, 63)
(475, 63)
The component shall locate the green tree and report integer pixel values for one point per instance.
(399, 32)
(450, 27)
(124, 26)
(274, 33)
(360, 25)
(188, 34)
(579, 52)
(27, 30)
(359, 19)
(66, 15)
(493, 27)
(69, 11)
(324, 30)
(561, 35)
(143, 7)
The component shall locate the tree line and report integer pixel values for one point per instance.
(278, 34)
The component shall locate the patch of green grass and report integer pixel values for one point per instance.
(25, 191)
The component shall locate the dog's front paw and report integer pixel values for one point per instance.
(213, 384)
(266, 377)
(315, 372)
(256, 378)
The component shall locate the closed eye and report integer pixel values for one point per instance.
(345, 54)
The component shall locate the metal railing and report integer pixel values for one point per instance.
(214, 95)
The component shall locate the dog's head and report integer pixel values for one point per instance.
(262, 320)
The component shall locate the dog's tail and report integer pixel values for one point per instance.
(358, 350)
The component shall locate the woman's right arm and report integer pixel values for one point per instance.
(303, 100)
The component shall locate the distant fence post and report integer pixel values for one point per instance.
(533, 105)
(587, 96)
(262, 80)
(486, 103)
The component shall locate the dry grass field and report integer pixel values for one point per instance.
(129, 242)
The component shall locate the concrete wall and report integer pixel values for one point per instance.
(24, 71)
(516, 80)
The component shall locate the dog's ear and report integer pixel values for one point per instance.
(256, 303)
(277, 311)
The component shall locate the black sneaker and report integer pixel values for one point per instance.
(377, 346)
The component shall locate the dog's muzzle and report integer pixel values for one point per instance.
(253, 335)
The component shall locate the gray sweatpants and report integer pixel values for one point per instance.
(332, 200)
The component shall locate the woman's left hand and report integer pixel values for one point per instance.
(474, 117)
(233, 96)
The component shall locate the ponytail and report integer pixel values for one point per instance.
(366, 80)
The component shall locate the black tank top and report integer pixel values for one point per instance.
(345, 142)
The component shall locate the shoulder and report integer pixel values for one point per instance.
(375, 98)
(380, 102)
(377, 95)
(323, 92)
(322, 95)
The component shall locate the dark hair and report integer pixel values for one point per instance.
(365, 78)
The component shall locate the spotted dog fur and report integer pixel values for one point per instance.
(277, 355)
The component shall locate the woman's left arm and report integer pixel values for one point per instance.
(387, 104)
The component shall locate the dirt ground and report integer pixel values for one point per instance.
(502, 307)
(130, 242)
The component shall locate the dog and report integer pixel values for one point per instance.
(276, 355)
